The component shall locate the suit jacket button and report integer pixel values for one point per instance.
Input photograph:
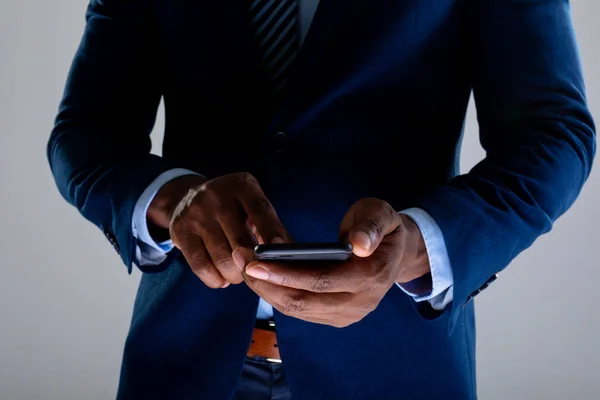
(481, 289)
(279, 142)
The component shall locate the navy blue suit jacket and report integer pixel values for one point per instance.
(376, 108)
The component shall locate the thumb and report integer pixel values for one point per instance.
(366, 224)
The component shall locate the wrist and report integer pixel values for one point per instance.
(160, 210)
(414, 263)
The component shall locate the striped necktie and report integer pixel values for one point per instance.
(275, 24)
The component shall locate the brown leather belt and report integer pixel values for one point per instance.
(264, 344)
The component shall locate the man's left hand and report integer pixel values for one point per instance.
(387, 248)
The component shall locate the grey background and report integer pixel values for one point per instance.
(66, 299)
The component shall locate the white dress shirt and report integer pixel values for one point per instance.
(148, 252)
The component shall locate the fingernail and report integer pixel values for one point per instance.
(258, 273)
(239, 260)
(362, 239)
(225, 285)
(277, 240)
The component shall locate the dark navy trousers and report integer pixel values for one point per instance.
(262, 380)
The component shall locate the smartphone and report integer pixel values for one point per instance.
(334, 251)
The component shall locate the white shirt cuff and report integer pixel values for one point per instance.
(441, 272)
(148, 251)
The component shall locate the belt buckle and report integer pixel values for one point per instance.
(265, 325)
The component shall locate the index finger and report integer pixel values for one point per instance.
(262, 214)
(345, 277)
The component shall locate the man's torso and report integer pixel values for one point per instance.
(379, 91)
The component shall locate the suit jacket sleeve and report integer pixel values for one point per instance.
(99, 148)
(537, 132)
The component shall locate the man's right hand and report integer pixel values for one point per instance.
(208, 220)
